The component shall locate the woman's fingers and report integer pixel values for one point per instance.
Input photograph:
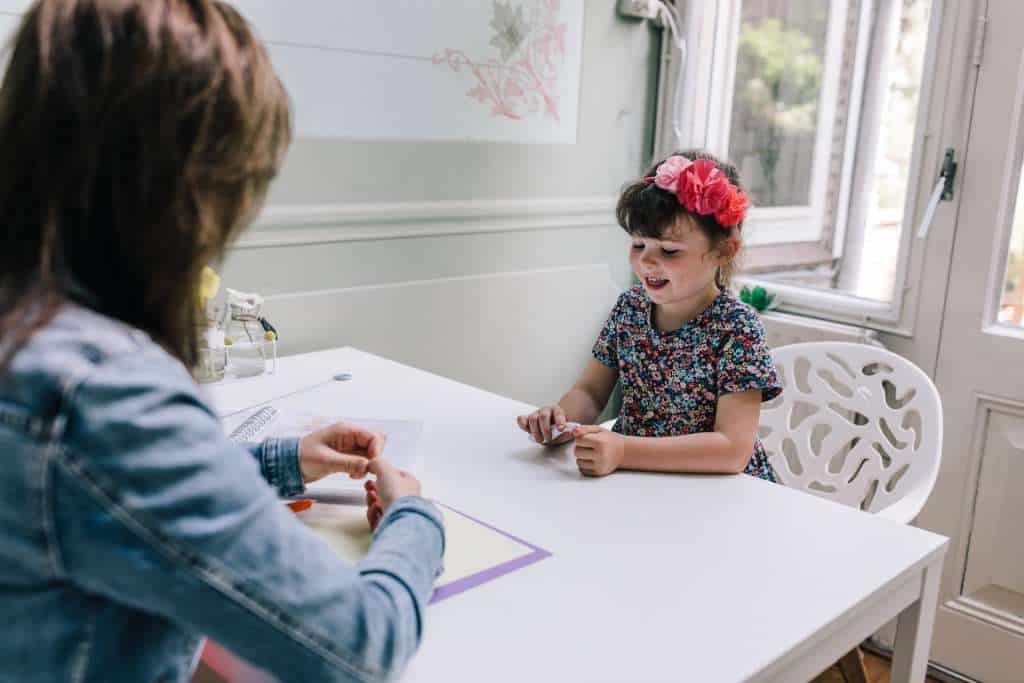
(359, 467)
(373, 515)
(354, 466)
(349, 438)
(379, 468)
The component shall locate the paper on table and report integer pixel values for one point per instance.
(556, 431)
(400, 448)
(474, 552)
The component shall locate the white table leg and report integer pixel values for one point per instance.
(914, 631)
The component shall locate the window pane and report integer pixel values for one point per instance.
(861, 257)
(1011, 308)
(871, 272)
(779, 64)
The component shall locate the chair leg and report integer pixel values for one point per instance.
(852, 667)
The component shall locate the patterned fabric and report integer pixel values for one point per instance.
(671, 381)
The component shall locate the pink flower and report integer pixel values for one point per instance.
(734, 210)
(667, 175)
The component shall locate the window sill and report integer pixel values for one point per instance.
(772, 258)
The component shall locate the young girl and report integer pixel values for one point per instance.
(692, 360)
(136, 138)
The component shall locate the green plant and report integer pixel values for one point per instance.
(758, 297)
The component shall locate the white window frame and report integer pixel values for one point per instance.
(1012, 176)
(781, 224)
(711, 29)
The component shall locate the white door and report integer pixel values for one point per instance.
(979, 498)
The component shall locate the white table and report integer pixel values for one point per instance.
(653, 577)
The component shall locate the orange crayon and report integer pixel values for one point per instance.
(300, 505)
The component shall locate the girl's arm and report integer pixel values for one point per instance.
(588, 397)
(583, 403)
(727, 450)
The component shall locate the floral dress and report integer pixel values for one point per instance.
(671, 381)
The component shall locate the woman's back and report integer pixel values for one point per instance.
(137, 138)
(63, 625)
(129, 527)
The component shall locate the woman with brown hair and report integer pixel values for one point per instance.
(137, 137)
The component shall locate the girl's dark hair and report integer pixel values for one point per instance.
(136, 138)
(645, 210)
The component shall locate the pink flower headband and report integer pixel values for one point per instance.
(702, 188)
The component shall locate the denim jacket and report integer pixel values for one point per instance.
(130, 527)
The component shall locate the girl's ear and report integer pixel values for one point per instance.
(727, 250)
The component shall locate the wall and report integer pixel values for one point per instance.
(346, 215)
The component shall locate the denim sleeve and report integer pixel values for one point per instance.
(278, 460)
(155, 509)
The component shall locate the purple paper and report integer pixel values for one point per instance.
(473, 580)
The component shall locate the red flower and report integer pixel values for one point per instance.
(703, 188)
(692, 180)
(734, 209)
(715, 197)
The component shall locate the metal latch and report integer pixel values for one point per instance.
(943, 190)
(949, 174)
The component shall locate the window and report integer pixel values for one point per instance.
(776, 98)
(1011, 306)
(817, 103)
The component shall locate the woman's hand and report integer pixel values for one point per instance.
(599, 452)
(392, 484)
(339, 447)
(538, 425)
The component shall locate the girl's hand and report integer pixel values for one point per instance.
(538, 425)
(392, 484)
(338, 448)
(599, 452)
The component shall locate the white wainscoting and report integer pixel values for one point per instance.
(525, 335)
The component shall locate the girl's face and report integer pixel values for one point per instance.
(678, 266)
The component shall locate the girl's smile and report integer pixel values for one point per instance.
(655, 284)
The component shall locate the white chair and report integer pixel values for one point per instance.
(856, 424)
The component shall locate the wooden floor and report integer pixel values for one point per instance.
(877, 667)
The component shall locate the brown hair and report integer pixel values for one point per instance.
(136, 138)
(646, 210)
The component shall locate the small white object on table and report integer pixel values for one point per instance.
(653, 577)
